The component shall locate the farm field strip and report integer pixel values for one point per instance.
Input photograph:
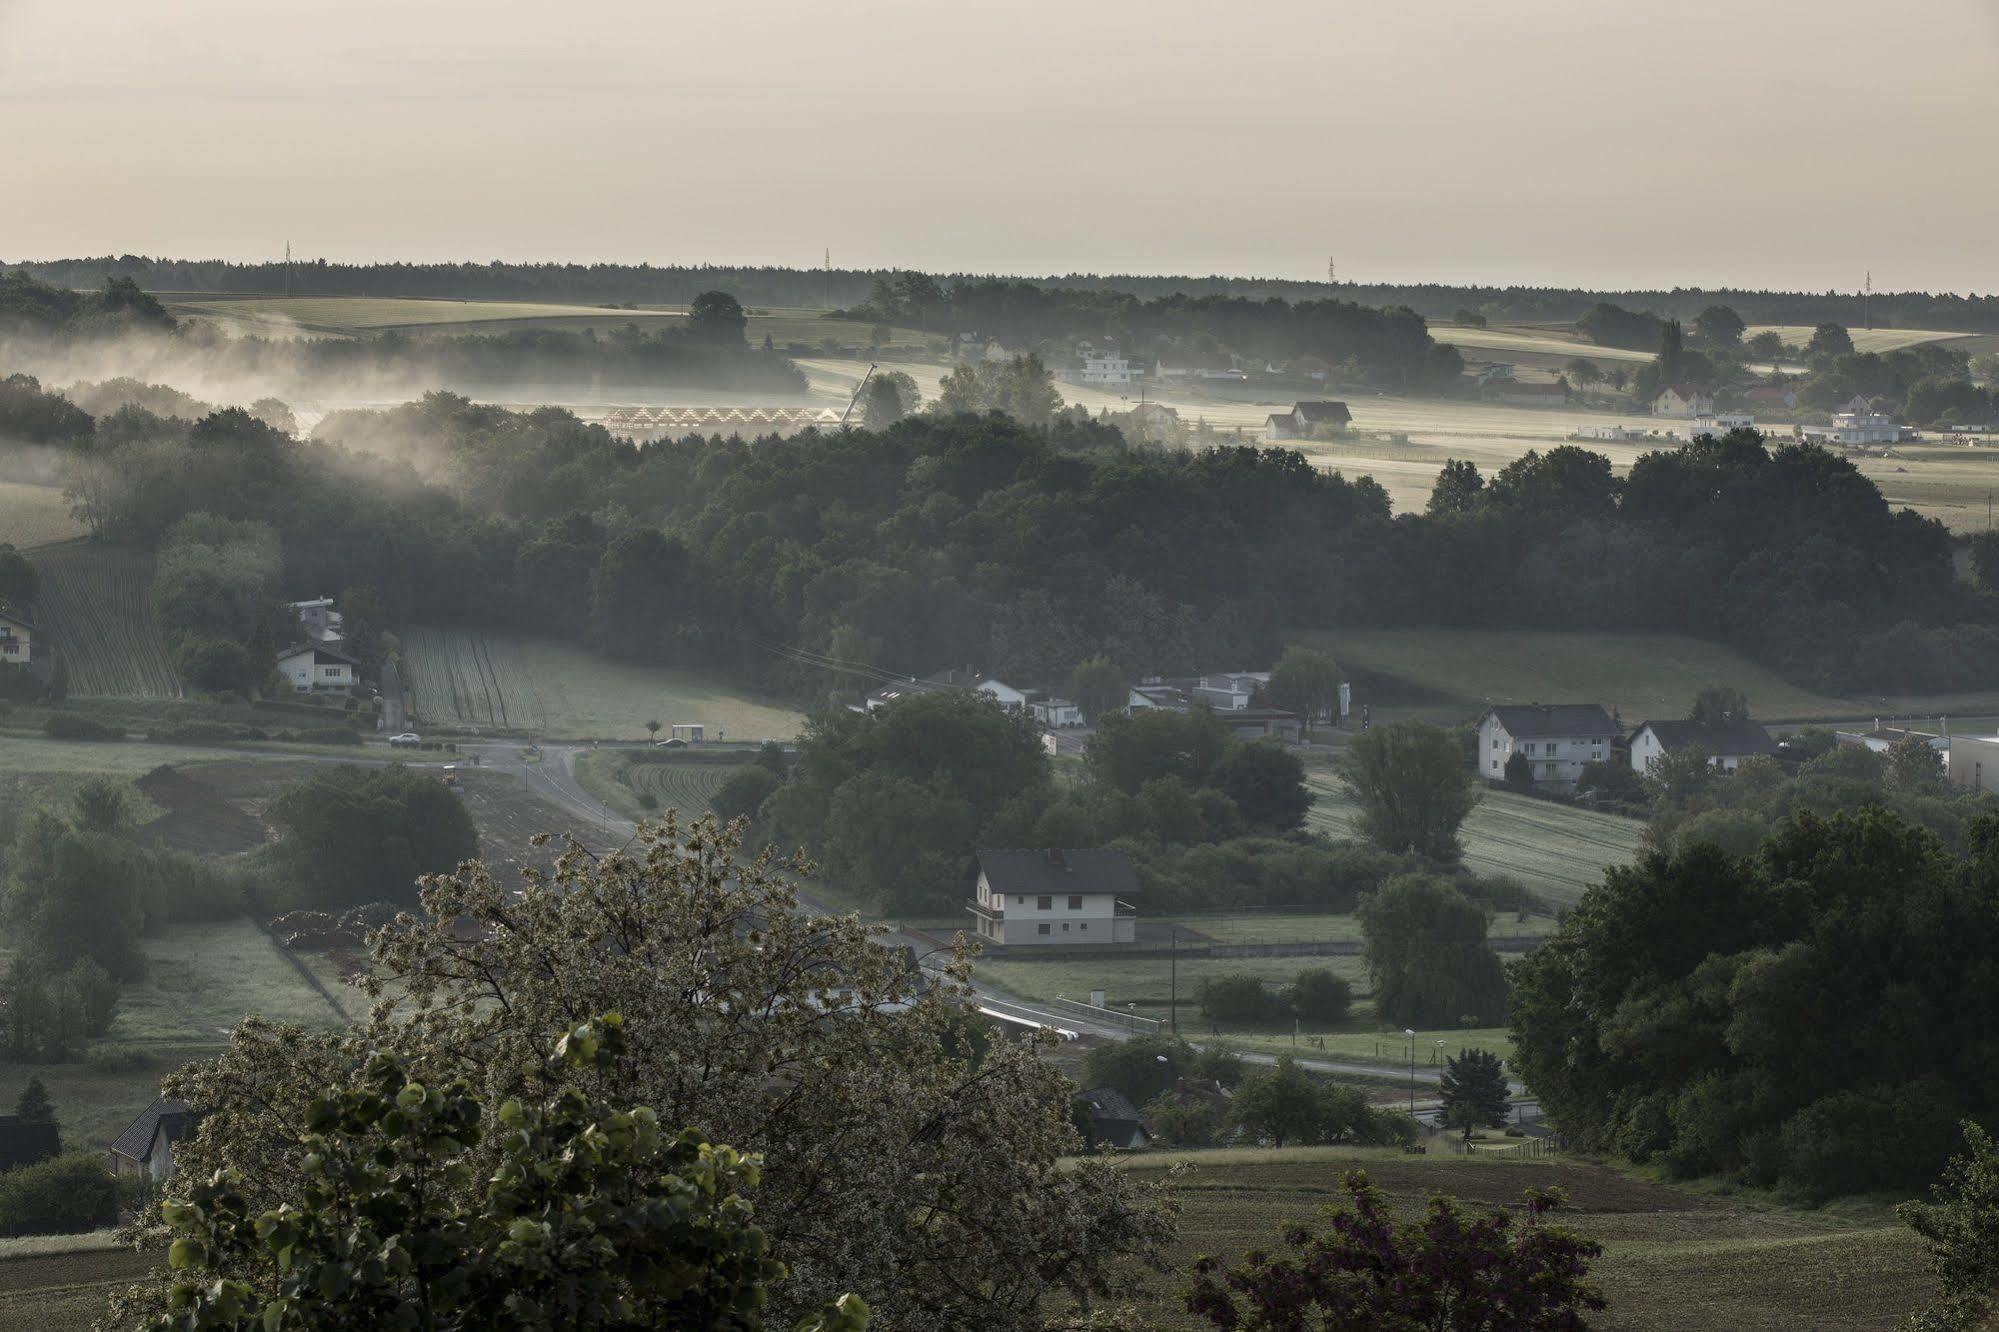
(33, 516)
(96, 605)
(1555, 851)
(493, 679)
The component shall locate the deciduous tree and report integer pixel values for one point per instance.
(1413, 788)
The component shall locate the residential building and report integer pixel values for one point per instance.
(1555, 739)
(318, 668)
(319, 620)
(1055, 712)
(1112, 1120)
(1727, 744)
(1611, 433)
(1229, 691)
(1156, 416)
(1853, 428)
(24, 1142)
(1305, 418)
(1772, 396)
(1525, 393)
(146, 1147)
(1109, 368)
(967, 678)
(1719, 424)
(1972, 762)
(17, 639)
(1055, 897)
(1158, 694)
(1683, 402)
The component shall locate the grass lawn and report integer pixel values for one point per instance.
(35, 516)
(1673, 1258)
(1262, 927)
(513, 682)
(202, 979)
(1555, 851)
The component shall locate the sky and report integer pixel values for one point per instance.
(1601, 143)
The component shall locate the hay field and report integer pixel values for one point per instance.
(96, 606)
(1864, 339)
(1556, 851)
(512, 682)
(1531, 343)
(1673, 1258)
(36, 516)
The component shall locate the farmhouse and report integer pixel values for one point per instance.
(317, 668)
(1525, 393)
(1306, 417)
(1113, 1121)
(1683, 403)
(1727, 744)
(1109, 368)
(146, 1147)
(1055, 897)
(17, 638)
(1555, 739)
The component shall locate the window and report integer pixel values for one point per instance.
(1075, 901)
(1065, 927)
(1528, 749)
(1020, 901)
(1044, 904)
(1042, 928)
(1084, 926)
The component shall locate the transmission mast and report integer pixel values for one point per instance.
(829, 277)
(288, 268)
(1867, 301)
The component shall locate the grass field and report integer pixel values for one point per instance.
(1555, 851)
(1864, 339)
(1673, 1259)
(509, 682)
(35, 516)
(96, 605)
(1530, 344)
(674, 779)
(202, 979)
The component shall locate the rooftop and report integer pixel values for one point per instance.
(1530, 721)
(1057, 870)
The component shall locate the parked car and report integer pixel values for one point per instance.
(670, 744)
(407, 740)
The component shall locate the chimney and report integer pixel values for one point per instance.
(1055, 857)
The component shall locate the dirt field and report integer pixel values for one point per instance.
(96, 606)
(35, 516)
(521, 685)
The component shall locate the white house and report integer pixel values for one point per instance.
(1720, 423)
(1055, 897)
(1611, 433)
(1055, 712)
(1727, 744)
(1229, 691)
(1109, 368)
(17, 639)
(1858, 428)
(315, 668)
(319, 620)
(1972, 762)
(1683, 403)
(1555, 739)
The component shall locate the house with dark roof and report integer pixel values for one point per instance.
(1305, 418)
(146, 1147)
(1727, 743)
(26, 1141)
(1055, 897)
(1111, 1120)
(1555, 739)
(17, 638)
(318, 668)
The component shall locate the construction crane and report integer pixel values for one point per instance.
(857, 393)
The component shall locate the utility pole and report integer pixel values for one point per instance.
(1867, 301)
(829, 277)
(1173, 1005)
(1411, 1034)
(288, 268)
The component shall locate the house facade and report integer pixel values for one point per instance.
(1727, 744)
(17, 639)
(1720, 423)
(320, 621)
(315, 668)
(1555, 739)
(1971, 762)
(1853, 428)
(1055, 712)
(146, 1147)
(1055, 897)
(1108, 369)
(1306, 417)
(1683, 403)
(1229, 691)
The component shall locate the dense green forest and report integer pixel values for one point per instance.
(975, 539)
(775, 285)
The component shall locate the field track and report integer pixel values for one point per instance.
(96, 606)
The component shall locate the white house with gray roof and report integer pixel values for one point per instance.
(1055, 897)
(1555, 739)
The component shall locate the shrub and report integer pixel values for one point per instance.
(1240, 998)
(61, 1196)
(1317, 995)
(1185, 1121)
(743, 794)
(71, 726)
(118, 1058)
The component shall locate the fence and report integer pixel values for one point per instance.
(1031, 1017)
(1524, 1149)
(1110, 1017)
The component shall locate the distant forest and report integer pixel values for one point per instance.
(812, 287)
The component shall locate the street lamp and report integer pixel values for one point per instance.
(1410, 1032)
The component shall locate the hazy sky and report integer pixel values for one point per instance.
(1784, 143)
